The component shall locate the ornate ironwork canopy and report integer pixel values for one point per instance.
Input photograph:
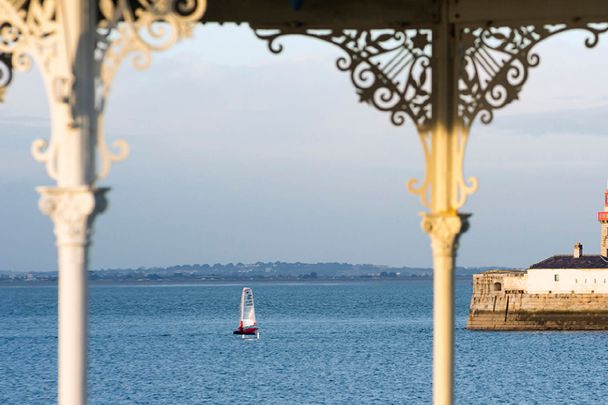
(388, 59)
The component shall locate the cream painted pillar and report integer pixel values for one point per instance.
(444, 151)
(72, 210)
(61, 37)
(72, 205)
(379, 65)
(444, 231)
(79, 52)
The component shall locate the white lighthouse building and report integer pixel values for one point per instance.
(571, 273)
(562, 292)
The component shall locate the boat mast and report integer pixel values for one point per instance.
(242, 317)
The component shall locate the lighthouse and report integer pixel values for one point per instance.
(602, 217)
(567, 292)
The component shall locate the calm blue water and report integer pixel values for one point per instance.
(363, 342)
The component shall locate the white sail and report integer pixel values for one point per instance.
(247, 308)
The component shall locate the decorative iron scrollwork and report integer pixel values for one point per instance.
(6, 74)
(137, 32)
(496, 61)
(389, 68)
(34, 31)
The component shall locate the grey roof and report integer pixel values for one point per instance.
(571, 262)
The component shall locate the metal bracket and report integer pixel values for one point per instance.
(391, 69)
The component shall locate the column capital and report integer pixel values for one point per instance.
(445, 230)
(73, 210)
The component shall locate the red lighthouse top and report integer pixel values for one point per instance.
(603, 215)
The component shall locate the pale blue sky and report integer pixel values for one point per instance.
(242, 155)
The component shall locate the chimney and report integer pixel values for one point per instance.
(578, 250)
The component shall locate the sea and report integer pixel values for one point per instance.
(360, 342)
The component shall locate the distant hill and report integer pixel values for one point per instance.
(240, 271)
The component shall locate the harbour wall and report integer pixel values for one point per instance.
(495, 308)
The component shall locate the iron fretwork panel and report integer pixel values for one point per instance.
(8, 36)
(391, 69)
(496, 63)
(6, 73)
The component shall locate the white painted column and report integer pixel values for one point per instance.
(73, 204)
(72, 210)
(78, 56)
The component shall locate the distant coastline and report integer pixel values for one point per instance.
(240, 272)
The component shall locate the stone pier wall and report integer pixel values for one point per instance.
(500, 302)
(522, 311)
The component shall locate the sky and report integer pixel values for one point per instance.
(240, 155)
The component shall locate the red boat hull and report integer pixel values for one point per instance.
(246, 331)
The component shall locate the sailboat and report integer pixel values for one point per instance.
(247, 325)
